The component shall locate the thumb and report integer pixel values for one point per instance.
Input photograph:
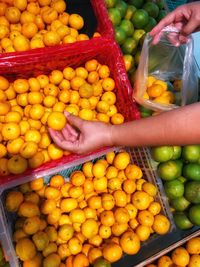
(190, 26)
(74, 120)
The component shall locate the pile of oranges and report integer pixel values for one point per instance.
(103, 210)
(29, 106)
(27, 24)
(157, 91)
(188, 255)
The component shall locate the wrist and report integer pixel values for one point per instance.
(111, 135)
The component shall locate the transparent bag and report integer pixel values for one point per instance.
(167, 63)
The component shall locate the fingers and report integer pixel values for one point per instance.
(69, 133)
(191, 26)
(57, 135)
(163, 23)
(74, 120)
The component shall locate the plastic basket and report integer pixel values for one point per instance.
(105, 53)
(139, 157)
(174, 4)
(96, 18)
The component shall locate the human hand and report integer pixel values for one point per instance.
(80, 136)
(185, 18)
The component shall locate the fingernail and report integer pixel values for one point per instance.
(67, 113)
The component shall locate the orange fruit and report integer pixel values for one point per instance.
(193, 245)
(52, 233)
(54, 216)
(145, 218)
(93, 77)
(64, 96)
(51, 248)
(121, 160)
(49, 101)
(31, 225)
(81, 260)
(51, 192)
(74, 245)
(32, 136)
(59, 106)
(77, 178)
(63, 251)
(155, 90)
(108, 84)
(3, 96)
(28, 149)
(68, 204)
(130, 243)
(89, 228)
(29, 29)
(109, 97)
(36, 160)
(25, 249)
(49, 15)
(194, 261)
(28, 209)
(107, 218)
(91, 65)
(4, 31)
(13, 116)
(37, 184)
(56, 120)
(56, 77)
(17, 165)
(87, 169)
(63, 31)
(48, 206)
(3, 151)
(108, 201)
(4, 108)
(77, 216)
(94, 202)
(112, 252)
(32, 197)
(65, 232)
(51, 38)
(141, 200)
(96, 240)
(64, 85)
(129, 186)
(14, 146)
(12, 14)
(120, 198)
(76, 21)
(154, 208)
(3, 167)
(59, 6)
(64, 18)
(165, 261)
(13, 200)
(93, 254)
(98, 169)
(180, 256)
(121, 215)
(133, 172)
(3, 7)
(69, 73)
(43, 80)
(65, 189)
(76, 191)
(143, 232)
(161, 224)
(33, 7)
(52, 260)
(105, 231)
(19, 234)
(21, 43)
(149, 189)
(117, 118)
(57, 181)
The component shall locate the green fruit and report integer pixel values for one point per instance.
(114, 16)
(129, 62)
(151, 24)
(181, 220)
(1, 254)
(174, 189)
(130, 11)
(143, 109)
(192, 192)
(136, 3)
(110, 3)
(160, 4)
(169, 170)
(120, 35)
(177, 152)
(162, 153)
(152, 9)
(122, 7)
(140, 18)
(137, 35)
(161, 15)
(137, 57)
(101, 262)
(179, 204)
(127, 26)
(182, 179)
(194, 214)
(191, 171)
(191, 153)
(129, 46)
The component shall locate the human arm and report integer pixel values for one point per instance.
(185, 18)
(177, 127)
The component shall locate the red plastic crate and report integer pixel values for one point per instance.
(106, 53)
(8, 61)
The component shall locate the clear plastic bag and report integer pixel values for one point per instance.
(168, 63)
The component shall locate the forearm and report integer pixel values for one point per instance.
(178, 127)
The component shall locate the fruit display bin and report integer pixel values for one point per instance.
(96, 19)
(140, 157)
(105, 53)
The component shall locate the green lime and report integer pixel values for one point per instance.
(192, 192)
(191, 171)
(162, 153)
(129, 62)
(120, 35)
(145, 112)
(110, 3)
(169, 170)
(122, 7)
(129, 46)
(140, 18)
(191, 153)
(180, 203)
(101, 262)
(182, 221)
(152, 9)
(182, 179)
(194, 214)
(177, 152)
(136, 3)
(161, 15)
(130, 11)
(114, 16)
(160, 4)
(137, 57)
(127, 26)
(174, 189)
(142, 40)
(151, 24)
(137, 35)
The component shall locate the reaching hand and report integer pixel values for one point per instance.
(185, 18)
(81, 136)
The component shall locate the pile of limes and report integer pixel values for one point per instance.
(131, 20)
(187, 255)
(103, 210)
(26, 24)
(29, 106)
(179, 168)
